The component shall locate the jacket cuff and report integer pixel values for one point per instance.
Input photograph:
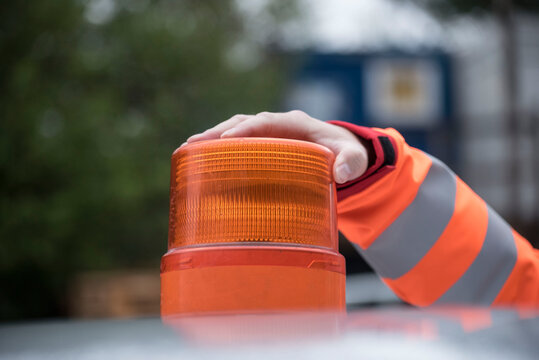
(382, 152)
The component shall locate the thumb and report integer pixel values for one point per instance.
(350, 163)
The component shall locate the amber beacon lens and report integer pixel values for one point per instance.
(252, 227)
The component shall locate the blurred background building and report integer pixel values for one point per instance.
(96, 94)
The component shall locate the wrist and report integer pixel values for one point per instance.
(382, 157)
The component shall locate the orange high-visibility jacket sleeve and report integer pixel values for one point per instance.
(429, 237)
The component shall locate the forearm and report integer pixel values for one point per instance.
(428, 235)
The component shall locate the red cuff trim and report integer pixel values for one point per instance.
(378, 167)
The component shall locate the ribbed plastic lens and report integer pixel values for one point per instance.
(252, 190)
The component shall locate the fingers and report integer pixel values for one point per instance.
(216, 131)
(258, 125)
(350, 163)
(292, 125)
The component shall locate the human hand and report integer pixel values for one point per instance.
(351, 157)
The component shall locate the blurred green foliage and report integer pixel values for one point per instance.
(95, 96)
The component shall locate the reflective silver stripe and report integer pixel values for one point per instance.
(400, 247)
(484, 279)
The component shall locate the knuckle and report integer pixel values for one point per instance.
(264, 114)
(297, 113)
(237, 117)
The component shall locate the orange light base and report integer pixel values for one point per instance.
(251, 278)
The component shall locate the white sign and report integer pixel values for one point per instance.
(403, 92)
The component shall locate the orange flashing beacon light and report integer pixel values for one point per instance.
(252, 229)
